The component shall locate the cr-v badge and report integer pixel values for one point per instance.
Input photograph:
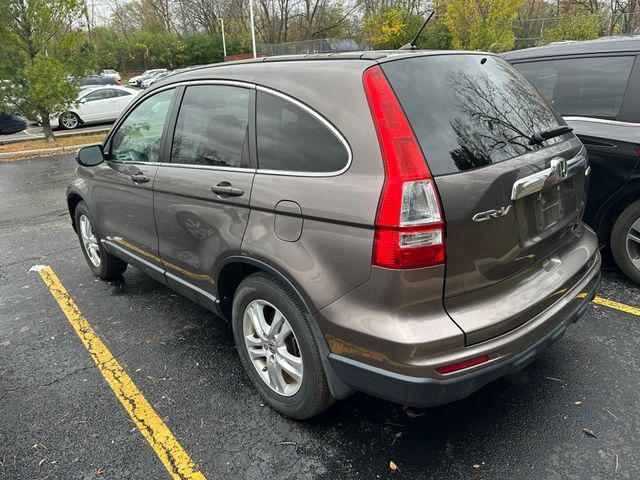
(489, 214)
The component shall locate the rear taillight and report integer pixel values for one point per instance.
(409, 227)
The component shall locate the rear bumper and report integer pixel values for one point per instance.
(505, 352)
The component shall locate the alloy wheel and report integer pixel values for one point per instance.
(69, 120)
(273, 347)
(633, 243)
(89, 241)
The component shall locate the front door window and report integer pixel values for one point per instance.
(139, 137)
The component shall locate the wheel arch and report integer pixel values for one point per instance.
(234, 269)
(73, 199)
(609, 215)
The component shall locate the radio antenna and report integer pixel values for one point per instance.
(412, 44)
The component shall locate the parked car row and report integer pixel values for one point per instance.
(148, 77)
(112, 77)
(147, 82)
(403, 223)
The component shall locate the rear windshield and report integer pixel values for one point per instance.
(468, 110)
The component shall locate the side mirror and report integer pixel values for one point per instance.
(90, 156)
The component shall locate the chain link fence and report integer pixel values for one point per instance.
(530, 32)
(319, 45)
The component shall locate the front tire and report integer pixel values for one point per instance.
(278, 349)
(69, 121)
(625, 241)
(104, 265)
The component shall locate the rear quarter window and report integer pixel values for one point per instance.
(468, 110)
(290, 138)
(587, 87)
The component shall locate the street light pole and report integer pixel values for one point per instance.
(224, 44)
(253, 30)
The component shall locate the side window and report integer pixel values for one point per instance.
(289, 138)
(139, 137)
(97, 95)
(543, 77)
(122, 93)
(589, 87)
(212, 126)
(111, 93)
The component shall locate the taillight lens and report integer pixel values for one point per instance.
(419, 203)
(409, 224)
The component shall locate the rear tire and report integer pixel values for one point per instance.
(104, 265)
(299, 400)
(625, 241)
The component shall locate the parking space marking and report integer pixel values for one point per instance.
(173, 456)
(617, 305)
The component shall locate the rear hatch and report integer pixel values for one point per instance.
(508, 206)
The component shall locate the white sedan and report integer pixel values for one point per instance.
(94, 105)
(146, 83)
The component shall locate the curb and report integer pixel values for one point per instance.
(63, 134)
(43, 152)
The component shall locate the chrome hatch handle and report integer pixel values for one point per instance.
(558, 171)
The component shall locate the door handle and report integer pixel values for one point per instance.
(225, 189)
(139, 177)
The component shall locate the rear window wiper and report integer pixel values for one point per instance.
(539, 137)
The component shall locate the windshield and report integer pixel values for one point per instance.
(468, 110)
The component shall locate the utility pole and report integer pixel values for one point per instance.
(224, 44)
(253, 30)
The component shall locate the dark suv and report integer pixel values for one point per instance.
(407, 224)
(595, 85)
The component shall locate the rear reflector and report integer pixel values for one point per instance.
(409, 225)
(454, 367)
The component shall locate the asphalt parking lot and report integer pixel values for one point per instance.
(59, 418)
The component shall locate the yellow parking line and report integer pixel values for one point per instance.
(617, 305)
(173, 456)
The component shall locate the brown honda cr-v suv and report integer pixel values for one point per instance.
(406, 224)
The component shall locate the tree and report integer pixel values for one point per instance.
(573, 27)
(158, 48)
(201, 49)
(36, 57)
(482, 24)
(392, 27)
